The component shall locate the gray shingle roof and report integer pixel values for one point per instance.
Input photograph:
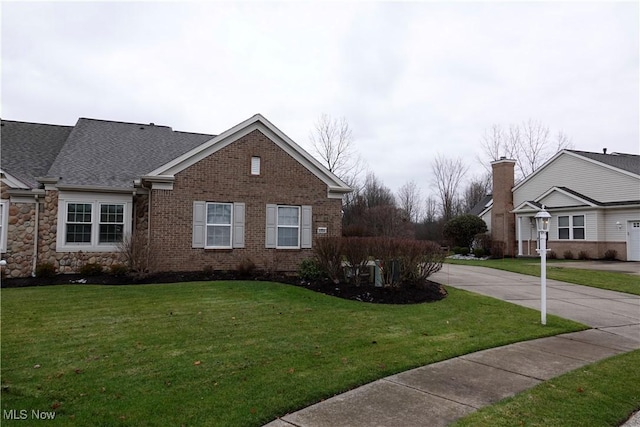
(627, 162)
(28, 149)
(98, 152)
(481, 205)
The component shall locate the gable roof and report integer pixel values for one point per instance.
(623, 161)
(112, 154)
(29, 149)
(336, 187)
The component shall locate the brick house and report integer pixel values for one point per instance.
(71, 194)
(593, 199)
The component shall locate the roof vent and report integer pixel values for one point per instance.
(604, 151)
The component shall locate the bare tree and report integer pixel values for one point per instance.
(430, 209)
(332, 142)
(475, 191)
(409, 201)
(448, 175)
(529, 144)
(375, 193)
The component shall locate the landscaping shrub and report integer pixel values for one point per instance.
(463, 229)
(118, 270)
(418, 259)
(456, 250)
(552, 254)
(356, 253)
(611, 255)
(328, 251)
(464, 251)
(478, 252)
(584, 255)
(386, 251)
(45, 270)
(91, 269)
(310, 269)
(246, 266)
(567, 254)
(483, 240)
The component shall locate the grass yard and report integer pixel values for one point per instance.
(621, 282)
(602, 394)
(224, 353)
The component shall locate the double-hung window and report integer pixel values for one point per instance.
(79, 222)
(111, 223)
(571, 227)
(219, 217)
(92, 222)
(288, 227)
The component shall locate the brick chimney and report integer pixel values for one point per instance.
(503, 222)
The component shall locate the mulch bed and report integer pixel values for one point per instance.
(427, 292)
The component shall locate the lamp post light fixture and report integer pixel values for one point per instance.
(542, 222)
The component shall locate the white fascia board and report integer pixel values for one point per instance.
(256, 122)
(95, 189)
(566, 193)
(525, 207)
(12, 181)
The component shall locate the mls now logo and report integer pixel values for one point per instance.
(23, 414)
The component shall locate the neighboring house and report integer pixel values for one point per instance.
(71, 195)
(593, 199)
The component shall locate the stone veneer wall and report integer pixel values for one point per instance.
(21, 240)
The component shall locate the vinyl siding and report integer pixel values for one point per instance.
(593, 180)
(557, 199)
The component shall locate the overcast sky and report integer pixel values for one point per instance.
(412, 79)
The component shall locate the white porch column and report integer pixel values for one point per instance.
(520, 236)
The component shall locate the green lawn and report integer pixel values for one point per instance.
(224, 353)
(602, 394)
(621, 282)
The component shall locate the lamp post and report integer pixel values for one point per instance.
(542, 222)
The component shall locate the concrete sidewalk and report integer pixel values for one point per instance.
(440, 393)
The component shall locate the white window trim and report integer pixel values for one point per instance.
(4, 225)
(278, 226)
(95, 200)
(571, 226)
(207, 225)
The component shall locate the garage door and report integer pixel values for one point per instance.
(633, 241)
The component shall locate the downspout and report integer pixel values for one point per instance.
(35, 238)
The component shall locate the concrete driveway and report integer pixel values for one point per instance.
(615, 312)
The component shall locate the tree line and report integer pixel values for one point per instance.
(372, 209)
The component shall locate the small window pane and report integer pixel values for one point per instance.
(288, 216)
(578, 233)
(111, 213)
(563, 221)
(111, 233)
(288, 236)
(218, 213)
(78, 233)
(563, 233)
(218, 236)
(255, 166)
(578, 221)
(79, 212)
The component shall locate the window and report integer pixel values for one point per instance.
(78, 223)
(255, 165)
(92, 222)
(288, 230)
(111, 223)
(571, 227)
(288, 227)
(219, 225)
